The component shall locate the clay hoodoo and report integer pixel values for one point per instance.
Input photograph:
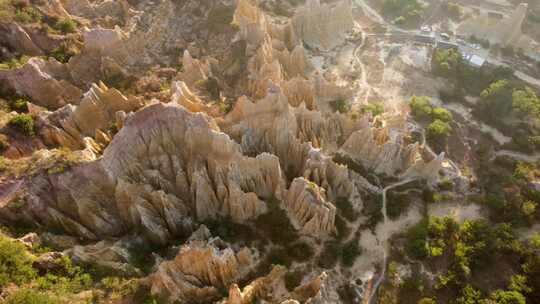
(306, 204)
(92, 117)
(46, 83)
(179, 167)
(200, 270)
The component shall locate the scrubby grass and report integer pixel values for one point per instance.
(65, 26)
(340, 106)
(15, 263)
(375, 108)
(30, 296)
(23, 123)
(14, 63)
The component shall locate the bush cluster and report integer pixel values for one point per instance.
(23, 123)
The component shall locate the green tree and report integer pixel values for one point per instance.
(519, 283)
(507, 297)
(528, 208)
(421, 106)
(340, 106)
(469, 295)
(442, 114)
(446, 62)
(525, 102)
(497, 99)
(437, 134)
(375, 108)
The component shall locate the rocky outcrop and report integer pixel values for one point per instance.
(272, 125)
(16, 37)
(261, 288)
(112, 255)
(323, 25)
(46, 83)
(378, 152)
(166, 168)
(428, 171)
(313, 292)
(117, 10)
(193, 70)
(183, 96)
(278, 58)
(308, 208)
(200, 270)
(92, 117)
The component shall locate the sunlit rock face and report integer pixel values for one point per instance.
(200, 271)
(166, 168)
(306, 204)
(47, 83)
(92, 117)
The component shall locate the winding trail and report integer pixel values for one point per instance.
(363, 73)
(384, 237)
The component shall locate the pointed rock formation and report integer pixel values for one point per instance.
(166, 168)
(261, 288)
(46, 83)
(199, 271)
(308, 208)
(93, 116)
(194, 71)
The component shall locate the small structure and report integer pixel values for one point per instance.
(428, 39)
(477, 61)
(473, 60)
(447, 45)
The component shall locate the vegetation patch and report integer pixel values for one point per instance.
(23, 123)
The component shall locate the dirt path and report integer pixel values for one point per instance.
(384, 234)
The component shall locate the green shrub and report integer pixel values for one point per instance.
(212, 86)
(15, 263)
(293, 279)
(65, 26)
(30, 296)
(421, 106)
(437, 134)
(442, 114)
(27, 15)
(62, 53)
(507, 297)
(14, 63)
(375, 108)
(427, 301)
(24, 123)
(18, 105)
(346, 209)
(351, 251)
(340, 106)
